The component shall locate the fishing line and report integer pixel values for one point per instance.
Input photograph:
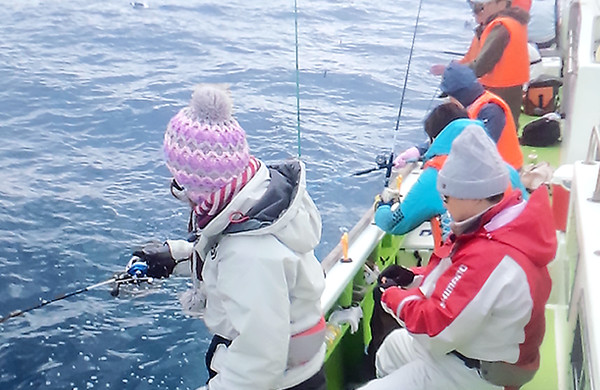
(410, 54)
(297, 75)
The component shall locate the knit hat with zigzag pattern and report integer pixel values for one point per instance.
(205, 147)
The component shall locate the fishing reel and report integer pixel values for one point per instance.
(383, 161)
(136, 272)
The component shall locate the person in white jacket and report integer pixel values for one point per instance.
(256, 281)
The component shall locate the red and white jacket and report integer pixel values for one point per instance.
(485, 297)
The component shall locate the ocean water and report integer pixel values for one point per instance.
(86, 90)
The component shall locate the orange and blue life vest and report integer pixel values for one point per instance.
(508, 143)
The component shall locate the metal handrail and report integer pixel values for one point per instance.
(594, 144)
(591, 158)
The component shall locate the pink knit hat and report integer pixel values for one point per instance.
(205, 147)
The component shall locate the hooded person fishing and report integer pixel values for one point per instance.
(256, 281)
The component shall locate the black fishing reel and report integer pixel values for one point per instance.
(383, 161)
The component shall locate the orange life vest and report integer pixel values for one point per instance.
(508, 143)
(473, 51)
(513, 67)
(437, 162)
(523, 4)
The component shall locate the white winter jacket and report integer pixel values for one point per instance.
(262, 282)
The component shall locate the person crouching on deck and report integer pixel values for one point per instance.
(256, 281)
(473, 318)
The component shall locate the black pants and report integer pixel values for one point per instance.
(215, 342)
(315, 382)
(382, 324)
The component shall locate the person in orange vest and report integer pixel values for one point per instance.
(459, 82)
(523, 4)
(498, 53)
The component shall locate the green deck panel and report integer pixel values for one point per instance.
(345, 353)
(334, 370)
(551, 154)
(547, 376)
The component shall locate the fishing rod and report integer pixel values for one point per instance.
(453, 53)
(134, 275)
(297, 75)
(385, 162)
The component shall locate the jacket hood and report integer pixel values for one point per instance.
(443, 142)
(532, 231)
(284, 210)
(460, 82)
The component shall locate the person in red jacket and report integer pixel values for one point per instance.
(473, 318)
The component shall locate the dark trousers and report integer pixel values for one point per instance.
(214, 343)
(315, 382)
(381, 325)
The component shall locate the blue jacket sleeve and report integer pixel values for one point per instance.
(493, 119)
(420, 204)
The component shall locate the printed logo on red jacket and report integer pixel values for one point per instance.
(452, 284)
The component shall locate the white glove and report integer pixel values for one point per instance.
(351, 316)
(370, 275)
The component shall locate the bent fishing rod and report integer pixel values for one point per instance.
(131, 276)
(382, 161)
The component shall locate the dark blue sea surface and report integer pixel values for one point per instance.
(86, 91)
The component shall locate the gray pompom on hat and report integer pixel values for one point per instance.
(474, 168)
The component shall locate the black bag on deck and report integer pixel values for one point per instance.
(541, 96)
(544, 131)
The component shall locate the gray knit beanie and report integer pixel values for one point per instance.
(474, 169)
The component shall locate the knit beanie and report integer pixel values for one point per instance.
(473, 169)
(460, 82)
(205, 148)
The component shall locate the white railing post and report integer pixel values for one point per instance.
(592, 157)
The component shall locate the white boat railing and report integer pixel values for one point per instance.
(363, 238)
(591, 157)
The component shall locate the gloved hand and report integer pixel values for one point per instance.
(437, 69)
(410, 154)
(389, 197)
(351, 315)
(395, 275)
(153, 259)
